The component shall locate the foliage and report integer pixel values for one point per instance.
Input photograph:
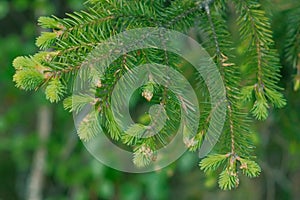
(68, 41)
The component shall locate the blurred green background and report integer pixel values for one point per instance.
(68, 171)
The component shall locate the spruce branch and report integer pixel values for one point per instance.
(255, 31)
(221, 60)
(67, 46)
(235, 117)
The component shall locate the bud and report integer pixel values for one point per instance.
(148, 95)
(148, 91)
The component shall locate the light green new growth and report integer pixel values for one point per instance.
(55, 90)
